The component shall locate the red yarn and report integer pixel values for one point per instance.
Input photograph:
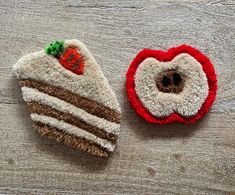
(166, 56)
(72, 60)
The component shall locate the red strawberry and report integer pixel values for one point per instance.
(68, 57)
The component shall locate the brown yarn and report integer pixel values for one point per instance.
(71, 140)
(170, 81)
(35, 107)
(90, 106)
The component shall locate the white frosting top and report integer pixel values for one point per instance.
(45, 68)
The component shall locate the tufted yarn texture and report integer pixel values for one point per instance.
(188, 87)
(69, 98)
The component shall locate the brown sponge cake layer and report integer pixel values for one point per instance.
(35, 107)
(71, 140)
(89, 106)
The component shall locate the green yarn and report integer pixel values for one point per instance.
(55, 48)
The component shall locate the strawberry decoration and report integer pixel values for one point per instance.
(68, 57)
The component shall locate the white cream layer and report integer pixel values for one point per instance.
(188, 102)
(70, 129)
(30, 94)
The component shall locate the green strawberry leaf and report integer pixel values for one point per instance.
(55, 49)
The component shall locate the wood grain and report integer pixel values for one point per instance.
(149, 159)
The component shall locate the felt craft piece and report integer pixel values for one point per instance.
(69, 98)
(178, 85)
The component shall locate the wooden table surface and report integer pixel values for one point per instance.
(149, 159)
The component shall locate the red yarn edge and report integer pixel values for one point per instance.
(166, 56)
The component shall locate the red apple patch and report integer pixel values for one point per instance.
(178, 85)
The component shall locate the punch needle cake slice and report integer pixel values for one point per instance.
(69, 98)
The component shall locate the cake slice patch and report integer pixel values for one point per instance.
(69, 98)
